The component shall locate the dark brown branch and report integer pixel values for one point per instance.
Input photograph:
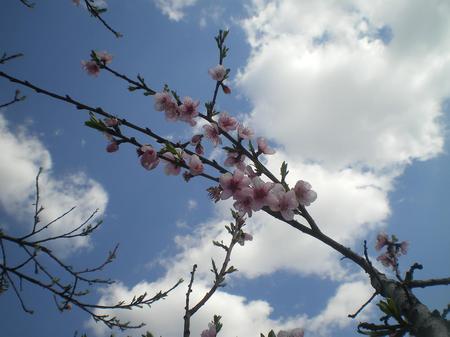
(5, 58)
(17, 98)
(96, 13)
(27, 4)
(187, 314)
(429, 283)
(363, 306)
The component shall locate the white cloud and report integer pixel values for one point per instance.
(174, 9)
(21, 156)
(349, 99)
(247, 318)
(192, 204)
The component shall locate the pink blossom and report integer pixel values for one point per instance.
(284, 202)
(227, 122)
(244, 201)
(199, 149)
(104, 56)
(149, 157)
(249, 170)
(263, 147)
(226, 89)
(404, 247)
(217, 73)
(231, 184)
(261, 194)
(210, 332)
(212, 133)
(110, 122)
(245, 237)
(305, 195)
(195, 165)
(188, 110)
(163, 101)
(172, 112)
(386, 260)
(298, 332)
(113, 146)
(235, 159)
(196, 139)
(382, 240)
(91, 67)
(171, 168)
(245, 132)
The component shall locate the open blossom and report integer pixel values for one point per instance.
(305, 195)
(104, 56)
(227, 122)
(195, 165)
(210, 332)
(387, 260)
(217, 73)
(149, 157)
(231, 184)
(212, 133)
(113, 146)
(285, 202)
(171, 168)
(261, 194)
(235, 159)
(163, 101)
(188, 110)
(244, 201)
(382, 240)
(250, 172)
(263, 147)
(298, 332)
(91, 67)
(245, 132)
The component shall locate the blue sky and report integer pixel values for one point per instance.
(362, 115)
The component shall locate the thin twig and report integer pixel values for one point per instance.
(95, 13)
(187, 314)
(363, 306)
(16, 99)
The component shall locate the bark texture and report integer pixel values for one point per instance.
(424, 323)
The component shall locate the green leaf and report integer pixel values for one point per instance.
(216, 321)
(250, 146)
(95, 123)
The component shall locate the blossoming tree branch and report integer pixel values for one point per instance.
(244, 178)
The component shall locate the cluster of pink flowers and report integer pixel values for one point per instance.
(92, 66)
(150, 160)
(248, 190)
(186, 112)
(393, 249)
(252, 194)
